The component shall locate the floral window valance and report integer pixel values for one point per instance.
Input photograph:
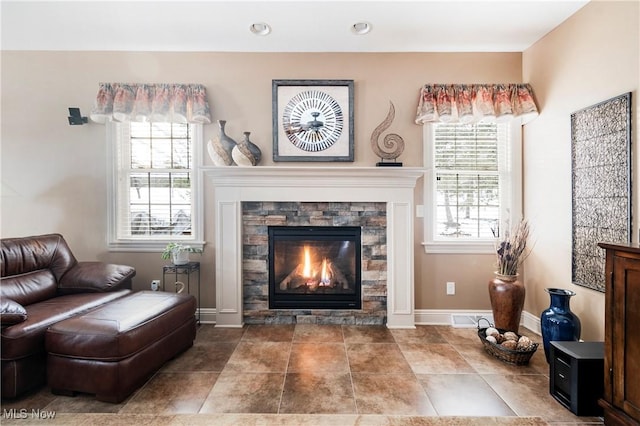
(175, 103)
(469, 103)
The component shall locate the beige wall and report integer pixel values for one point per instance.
(591, 57)
(53, 174)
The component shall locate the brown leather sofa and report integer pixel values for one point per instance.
(42, 284)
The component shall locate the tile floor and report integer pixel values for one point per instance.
(325, 374)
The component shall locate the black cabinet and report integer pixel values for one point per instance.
(576, 376)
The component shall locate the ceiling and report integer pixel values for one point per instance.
(297, 26)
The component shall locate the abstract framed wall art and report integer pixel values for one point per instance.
(600, 185)
(312, 120)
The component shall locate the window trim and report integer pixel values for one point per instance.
(512, 211)
(197, 214)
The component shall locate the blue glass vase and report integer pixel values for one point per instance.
(558, 322)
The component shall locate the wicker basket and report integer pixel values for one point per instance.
(512, 356)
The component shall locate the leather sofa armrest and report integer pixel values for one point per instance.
(11, 312)
(95, 277)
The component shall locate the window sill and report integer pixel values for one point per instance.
(149, 246)
(461, 247)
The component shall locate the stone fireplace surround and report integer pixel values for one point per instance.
(234, 185)
(369, 216)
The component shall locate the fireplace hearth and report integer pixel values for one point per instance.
(314, 267)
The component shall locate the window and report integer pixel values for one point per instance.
(154, 196)
(472, 185)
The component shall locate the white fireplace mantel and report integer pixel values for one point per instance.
(393, 185)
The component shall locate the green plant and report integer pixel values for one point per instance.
(511, 250)
(172, 248)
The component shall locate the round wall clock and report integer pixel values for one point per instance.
(313, 120)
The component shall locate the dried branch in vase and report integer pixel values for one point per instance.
(511, 250)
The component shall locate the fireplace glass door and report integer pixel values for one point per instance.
(314, 267)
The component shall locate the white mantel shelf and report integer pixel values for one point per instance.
(313, 176)
(393, 185)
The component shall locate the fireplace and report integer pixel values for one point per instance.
(314, 267)
(379, 199)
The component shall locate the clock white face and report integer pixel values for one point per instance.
(313, 120)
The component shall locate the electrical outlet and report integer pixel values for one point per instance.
(451, 288)
(155, 285)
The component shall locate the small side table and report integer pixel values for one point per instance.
(576, 375)
(186, 270)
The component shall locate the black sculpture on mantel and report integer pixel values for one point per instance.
(392, 145)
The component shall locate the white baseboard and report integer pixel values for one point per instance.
(443, 317)
(423, 317)
(207, 315)
(532, 322)
(432, 317)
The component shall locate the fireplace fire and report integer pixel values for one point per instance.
(314, 276)
(314, 267)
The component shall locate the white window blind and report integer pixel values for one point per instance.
(154, 183)
(470, 184)
(467, 181)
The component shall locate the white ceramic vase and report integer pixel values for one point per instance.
(180, 257)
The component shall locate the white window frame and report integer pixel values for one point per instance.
(510, 176)
(114, 132)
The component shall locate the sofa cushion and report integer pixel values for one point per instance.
(87, 277)
(31, 267)
(29, 287)
(11, 312)
(28, 254)
(27, 338)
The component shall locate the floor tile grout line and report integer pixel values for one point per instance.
(415, 375)
(482, 376)
(455, 347)
(353, 386)
(138, 391)
(284, 376)
(235, 347)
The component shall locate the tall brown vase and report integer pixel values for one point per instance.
(507, 300)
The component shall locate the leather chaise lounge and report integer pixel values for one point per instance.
(79, 327)
(42, 284)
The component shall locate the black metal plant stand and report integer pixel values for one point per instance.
(186, 270)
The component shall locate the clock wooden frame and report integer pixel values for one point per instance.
(336, 142)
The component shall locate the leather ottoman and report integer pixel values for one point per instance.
(111, 351)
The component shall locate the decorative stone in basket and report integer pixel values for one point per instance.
(506, 345)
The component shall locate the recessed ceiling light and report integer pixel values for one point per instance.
(361, 28)
(260, 28)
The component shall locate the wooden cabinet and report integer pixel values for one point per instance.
(621, 401)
